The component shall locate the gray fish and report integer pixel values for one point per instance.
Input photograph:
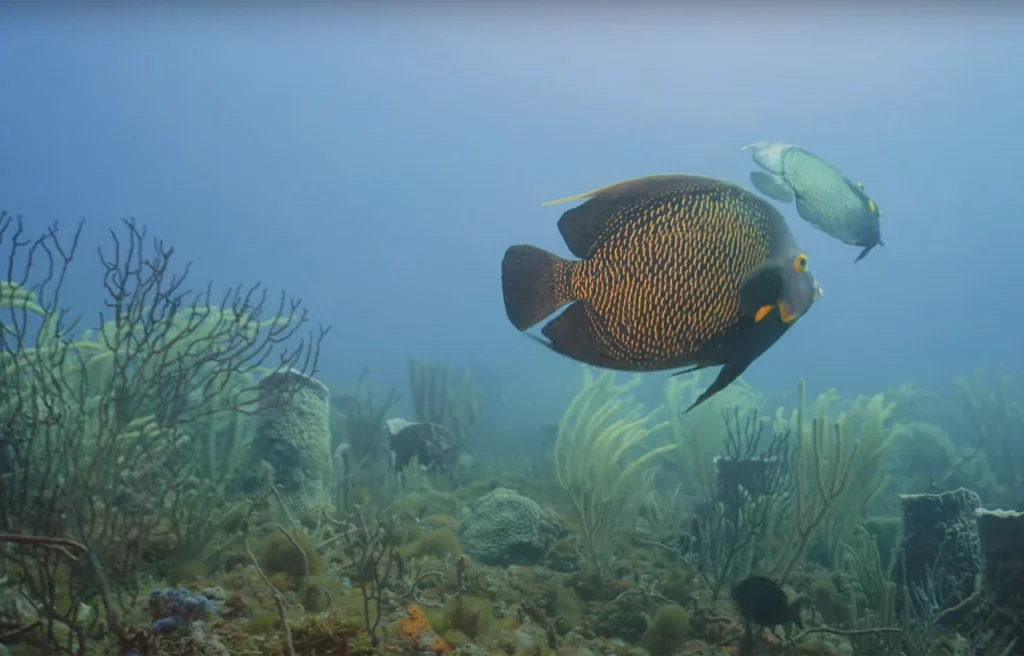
(824, 197)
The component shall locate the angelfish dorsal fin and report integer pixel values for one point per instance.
(581, 225)
(624, 184)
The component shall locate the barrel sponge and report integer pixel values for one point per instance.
(941, 530)
(293, 434)
(1002, 545)
(506, 528)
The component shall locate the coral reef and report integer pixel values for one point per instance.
(164, 493)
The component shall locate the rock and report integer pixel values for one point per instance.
(505, 528)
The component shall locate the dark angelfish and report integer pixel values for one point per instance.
(675, 271)
(763, 602)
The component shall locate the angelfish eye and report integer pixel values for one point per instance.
(800, 263)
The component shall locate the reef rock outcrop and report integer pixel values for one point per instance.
(506, 528)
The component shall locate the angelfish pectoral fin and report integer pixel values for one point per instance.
(763, 312)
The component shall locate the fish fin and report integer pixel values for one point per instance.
(772, 186)
(582, 225)
(690, 369)
(769, 155)
(864, 253)
(808, 213)
(760, 290)
(589, 194)
(534, 284)
(614, 187)
(726, 376)
(572, 334)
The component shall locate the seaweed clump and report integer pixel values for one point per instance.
(330, 634)
(666, 634)
(278, 554)
(471, 616)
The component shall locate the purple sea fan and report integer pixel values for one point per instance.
(167, 624)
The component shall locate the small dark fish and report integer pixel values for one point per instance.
(761, 601)
(432, 445)
(824, 197)
(675, 271)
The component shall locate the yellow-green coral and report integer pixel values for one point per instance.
(821, 475)
(828, 601)
(472, 616)
(278, 554)
(17, 296)
(562, 604)
(263, 622)
(440, 543)
(599, 459)
(666, 633)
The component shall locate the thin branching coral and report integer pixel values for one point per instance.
(94, 432)
(599, 460)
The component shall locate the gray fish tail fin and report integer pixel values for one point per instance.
(864, 253)
(534, 284)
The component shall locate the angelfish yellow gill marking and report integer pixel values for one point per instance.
(763, 312)
(786, 315)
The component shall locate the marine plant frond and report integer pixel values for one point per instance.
(358, 414)
(600, 458)
(822, 467)
(991, 408)
(98, 434)
(16, 296)
(438, 399)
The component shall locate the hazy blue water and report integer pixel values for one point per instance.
(379, 164)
